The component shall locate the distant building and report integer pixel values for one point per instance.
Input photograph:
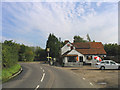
(82, 52)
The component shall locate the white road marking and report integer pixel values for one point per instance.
(43, 70)
(91, 84)
(43, 77)
(83, 78)
(37, 87)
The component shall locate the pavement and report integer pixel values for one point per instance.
(37, 75)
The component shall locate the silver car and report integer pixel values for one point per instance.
(107, 64)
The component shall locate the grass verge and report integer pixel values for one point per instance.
(8, 72)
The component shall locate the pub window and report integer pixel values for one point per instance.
(89, 57)
(72, 59)
(81, 58)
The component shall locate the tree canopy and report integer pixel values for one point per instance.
(9, 53)
(54, 44)
(113, 50)
(13, 52)
(78, 39)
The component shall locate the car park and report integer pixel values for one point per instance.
(107, 64)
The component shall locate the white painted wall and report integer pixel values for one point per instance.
(65, 48)
(90, 61)
(74, 52)
(66, 60)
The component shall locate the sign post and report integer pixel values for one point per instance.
(48, 50)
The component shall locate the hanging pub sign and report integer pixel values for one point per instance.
(48, 49)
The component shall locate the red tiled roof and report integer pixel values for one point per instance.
(89, 47)
(81, 45)
(96, 45)
(91, 51)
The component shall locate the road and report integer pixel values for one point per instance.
(37, 75)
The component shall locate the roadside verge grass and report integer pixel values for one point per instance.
(8, 72)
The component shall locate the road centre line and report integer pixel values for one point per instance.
(43, 77)
(43, 70)
(37, 87)
(83, 78)
(91, 84)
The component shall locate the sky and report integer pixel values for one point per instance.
(31, 23)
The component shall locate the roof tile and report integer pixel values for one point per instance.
(89, 47)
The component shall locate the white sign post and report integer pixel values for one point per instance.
(48, 50)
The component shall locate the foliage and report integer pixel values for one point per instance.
(78, 39)
(93, 40)
(29, 55)
(54, 44)
(40, 54)
(9, 53)
(113, 51)
(26, 53)
(13, 52)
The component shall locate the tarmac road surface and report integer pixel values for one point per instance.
(37, 75)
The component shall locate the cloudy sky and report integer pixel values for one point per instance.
(31, 22)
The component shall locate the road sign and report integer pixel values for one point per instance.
(49, 57)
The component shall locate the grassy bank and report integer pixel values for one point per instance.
(8, 72)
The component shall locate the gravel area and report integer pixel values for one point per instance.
(100, 78)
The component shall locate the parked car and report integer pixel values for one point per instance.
(107, 64)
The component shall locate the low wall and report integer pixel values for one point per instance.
(76, 64)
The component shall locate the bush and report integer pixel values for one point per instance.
(9, 54)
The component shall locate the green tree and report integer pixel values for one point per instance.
(40, 54)
(9, 53)
(54, 44)
(78, 39)
(113, 50)
(29, 55)
(26, 53)
(22, 52)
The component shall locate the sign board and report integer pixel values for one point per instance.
(49, 57)
(48, 49)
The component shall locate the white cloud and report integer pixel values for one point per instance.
(62, 20)
(98, 4)
(20, 41)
